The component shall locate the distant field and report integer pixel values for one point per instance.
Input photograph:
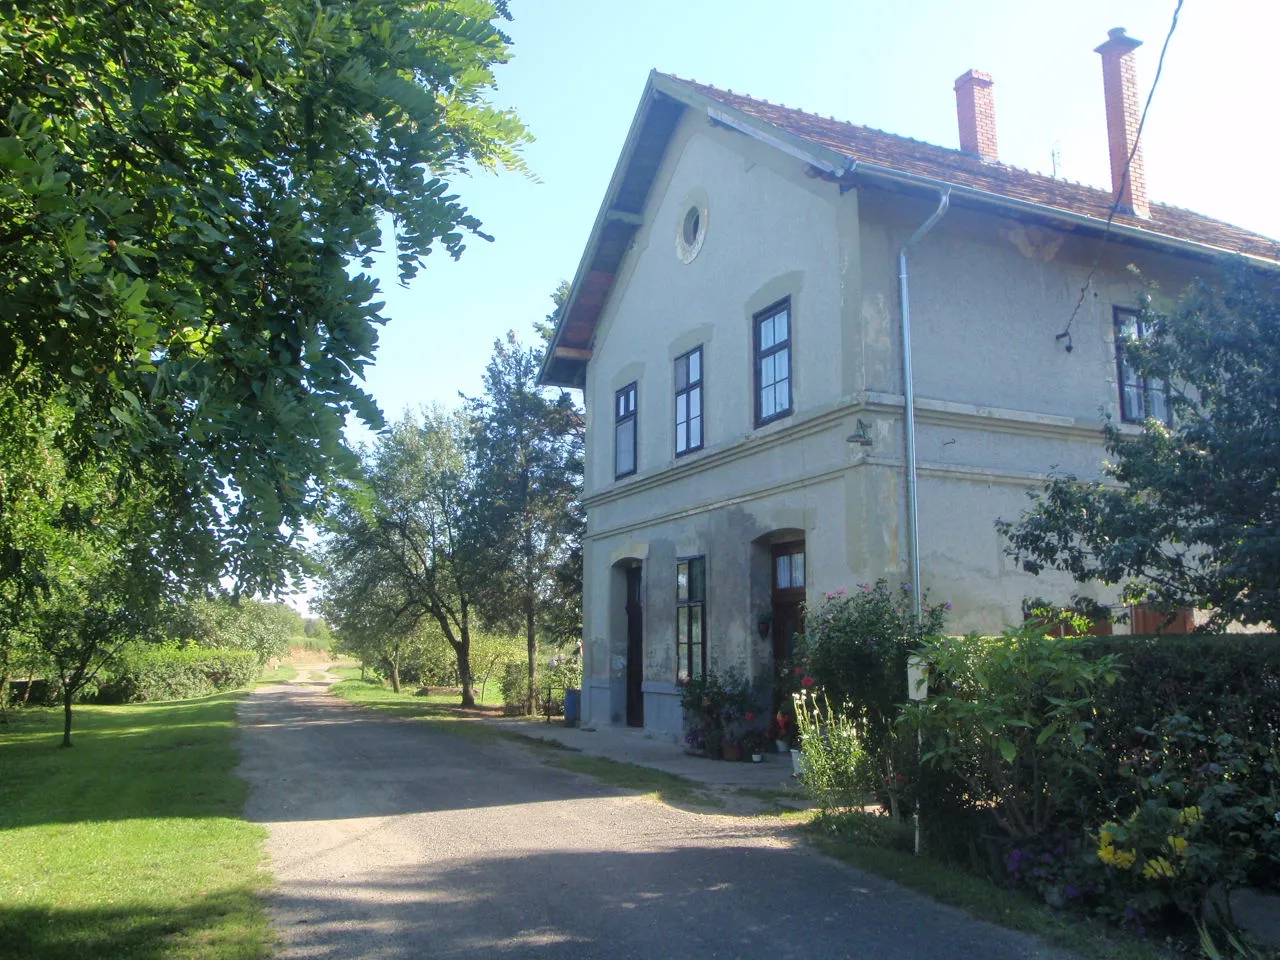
(130, 845)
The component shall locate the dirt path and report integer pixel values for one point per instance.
(391, 840)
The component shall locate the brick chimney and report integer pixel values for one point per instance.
(976, 111)
(1120, 88)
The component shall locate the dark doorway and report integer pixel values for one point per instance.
(635, 650)
(788, 578)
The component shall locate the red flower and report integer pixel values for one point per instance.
(750, 716)
(806, 681)
(799, 671)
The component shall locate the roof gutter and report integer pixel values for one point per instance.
(909, 400)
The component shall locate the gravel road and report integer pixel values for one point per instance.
(391, 840)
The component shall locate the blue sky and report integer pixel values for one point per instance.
(579, 67)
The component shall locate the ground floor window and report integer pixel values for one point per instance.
(691, 620)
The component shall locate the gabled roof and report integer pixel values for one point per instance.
(847, 154)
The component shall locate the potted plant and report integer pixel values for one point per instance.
(779, 731)
(753, 746)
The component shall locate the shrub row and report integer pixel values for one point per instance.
(1133, 776)
(143, 672)
(1229, 682)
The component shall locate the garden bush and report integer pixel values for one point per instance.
(855, 650)
(1012, 717)
(836, 769)
(515, 688)
(1229, 683)
(144, 672)
(1134, 776)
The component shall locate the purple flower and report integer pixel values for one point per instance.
(947, 605)
(1071, 891)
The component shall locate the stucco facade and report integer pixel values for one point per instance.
(1000, 403)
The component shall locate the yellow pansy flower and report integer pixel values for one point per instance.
(1157, 868)
(1178, 845)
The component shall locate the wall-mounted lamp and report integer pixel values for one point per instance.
(861, 436)
(763, 624)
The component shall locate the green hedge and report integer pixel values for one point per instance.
(143, 672)
(1229, 682)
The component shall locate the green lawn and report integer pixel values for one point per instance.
(130, 845)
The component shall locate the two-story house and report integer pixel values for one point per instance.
(814, 354)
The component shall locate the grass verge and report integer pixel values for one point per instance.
(130, 845)
(982, 899)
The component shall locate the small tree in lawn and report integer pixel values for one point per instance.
(1189, 513)
(527, 519)
(395, 548)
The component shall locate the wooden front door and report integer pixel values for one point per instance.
(788, 597)
(635, 650)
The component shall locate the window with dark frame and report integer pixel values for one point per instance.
(773, 362)
(1140, 397)
(691, 619)
(688, 379)
(624, 431)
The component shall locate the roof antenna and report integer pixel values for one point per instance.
(1055, 157)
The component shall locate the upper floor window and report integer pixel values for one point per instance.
(624, 431)
(1140, 397)
(689, 401)
(691, 621)
(773, 362)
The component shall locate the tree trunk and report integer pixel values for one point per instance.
(395, 670)
(67, 695)
(4, 698)
(463, 650)
(532, 641)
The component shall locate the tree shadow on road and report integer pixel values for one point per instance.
(713, 899)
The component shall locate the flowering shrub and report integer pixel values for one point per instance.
(855, 649)
(836, 769)
(1202, 811)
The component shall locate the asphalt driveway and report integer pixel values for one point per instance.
(389, 839)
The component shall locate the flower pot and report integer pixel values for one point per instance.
(795, 762)
(732, 750)
(757, 758)
(781, 746)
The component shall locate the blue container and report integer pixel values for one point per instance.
(572, 706)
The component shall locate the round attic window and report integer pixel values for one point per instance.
(691, 233)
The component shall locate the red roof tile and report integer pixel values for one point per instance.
(952, 166)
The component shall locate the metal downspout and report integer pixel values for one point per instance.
(909, 401)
